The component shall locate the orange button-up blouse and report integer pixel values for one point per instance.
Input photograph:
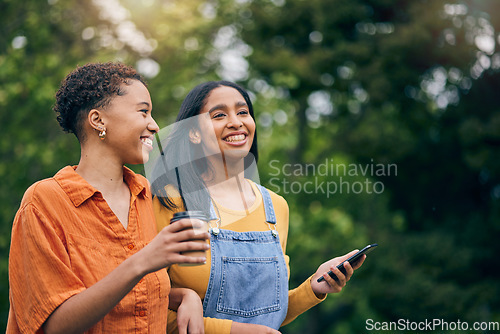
(65, 238)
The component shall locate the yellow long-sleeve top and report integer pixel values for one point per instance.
(196, 278)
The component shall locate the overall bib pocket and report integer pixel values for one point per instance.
(240, 274)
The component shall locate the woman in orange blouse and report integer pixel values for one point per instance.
(85, 255)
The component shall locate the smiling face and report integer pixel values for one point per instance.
(129, 124)
(231, 128)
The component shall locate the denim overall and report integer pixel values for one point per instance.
(248, 276)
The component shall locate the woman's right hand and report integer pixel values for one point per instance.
(242, 328)
(166, 248)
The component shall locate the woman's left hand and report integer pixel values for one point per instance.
(330, 285)
(190, 314)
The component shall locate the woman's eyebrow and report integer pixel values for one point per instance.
(224, 106)
(145, 103)
(217, 107)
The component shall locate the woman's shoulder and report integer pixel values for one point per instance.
(275, 198)
(172, 192)
(46, 189)
(163, 213)
(173, 195)
(45, 197)
(41, 190)
(281, 209)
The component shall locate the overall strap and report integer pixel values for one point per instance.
(268, 208)
(268, 204)
(213, 215)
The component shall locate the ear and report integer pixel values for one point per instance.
(95, 120)
(194, 136)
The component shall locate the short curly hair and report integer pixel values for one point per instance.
(87, 87)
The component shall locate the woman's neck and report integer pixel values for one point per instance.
(223, 169)
(105, 174)
(101, 172)
(227, 186)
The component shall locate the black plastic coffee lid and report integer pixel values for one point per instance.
(190, 214)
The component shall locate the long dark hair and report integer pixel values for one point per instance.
(186, 159)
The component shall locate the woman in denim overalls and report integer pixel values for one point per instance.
(209, 158)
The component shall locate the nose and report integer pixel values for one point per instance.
(234, 121)
(152, 126)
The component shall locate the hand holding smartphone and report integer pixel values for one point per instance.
(352, 260)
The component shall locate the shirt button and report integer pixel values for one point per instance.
(142, 313)
(130, 246)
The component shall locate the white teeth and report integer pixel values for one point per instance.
(235, 138)
(147, 141)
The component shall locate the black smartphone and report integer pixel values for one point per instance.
(351, 261)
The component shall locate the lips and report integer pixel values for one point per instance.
(148, 142)
(235, 138)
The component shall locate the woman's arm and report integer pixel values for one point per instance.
(80, 312)
(220, 326)
(85, 309)
(301, 299)
(241, 328)
(189, 309)
(311, 293)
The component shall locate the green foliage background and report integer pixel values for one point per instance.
(407, 83)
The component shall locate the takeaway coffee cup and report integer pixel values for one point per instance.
(192, 215)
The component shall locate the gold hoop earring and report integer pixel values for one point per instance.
(102, 134)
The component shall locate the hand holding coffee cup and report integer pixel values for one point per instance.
(199, 225)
